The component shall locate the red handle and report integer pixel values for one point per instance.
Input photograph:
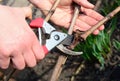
(45, 50)
(37, 23)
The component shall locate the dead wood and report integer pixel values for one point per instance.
(62, 59)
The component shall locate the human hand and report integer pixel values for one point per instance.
(18, 42)
(64, 12)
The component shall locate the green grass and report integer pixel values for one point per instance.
(96, 48)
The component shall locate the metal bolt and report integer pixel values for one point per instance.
(56, 37)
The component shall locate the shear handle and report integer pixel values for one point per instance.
(41, 23)
(37, 23)
(45, 49)
(55, 37)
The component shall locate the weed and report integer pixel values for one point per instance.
(98, 47)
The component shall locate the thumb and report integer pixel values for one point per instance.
(84, 3)
(28, 12)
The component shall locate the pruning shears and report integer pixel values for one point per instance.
(54, 37)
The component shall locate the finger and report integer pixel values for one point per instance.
(96, 32)
(29, 58)
(84, 3)
(28, 12)
(82, 26)
(18, 61)
(92, 13)
(101, 27)
(90, 21)
(4, 63)
(38, 51)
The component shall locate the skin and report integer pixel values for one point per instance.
(64, 12)
(19, 45)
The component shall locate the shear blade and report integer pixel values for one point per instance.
(68, 40)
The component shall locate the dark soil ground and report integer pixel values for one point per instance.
(90, 71)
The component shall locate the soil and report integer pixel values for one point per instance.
(90, 71)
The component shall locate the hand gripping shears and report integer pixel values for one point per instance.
(56, 38)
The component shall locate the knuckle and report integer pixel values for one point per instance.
(5, 66)
(5, 52)
(42, 56)
(32, 64)
(21, 67)
(18, 64)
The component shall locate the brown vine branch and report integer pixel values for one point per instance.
(52, 10)
(8, 76)
(105, 19)
(84, 36)
(97, 5)
(62, 59)
(58, 68)
(76, 12)
(81, 66)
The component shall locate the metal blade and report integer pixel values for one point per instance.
(68, 40)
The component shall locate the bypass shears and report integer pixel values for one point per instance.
(55, 37)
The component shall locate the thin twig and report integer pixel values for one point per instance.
(50, 13)
(52, 10)
(58, 68)
(1, 74)
(76, 12)
(97, 5)
(62, 59)
(81, 66)
(8, 76)
(105, 19)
